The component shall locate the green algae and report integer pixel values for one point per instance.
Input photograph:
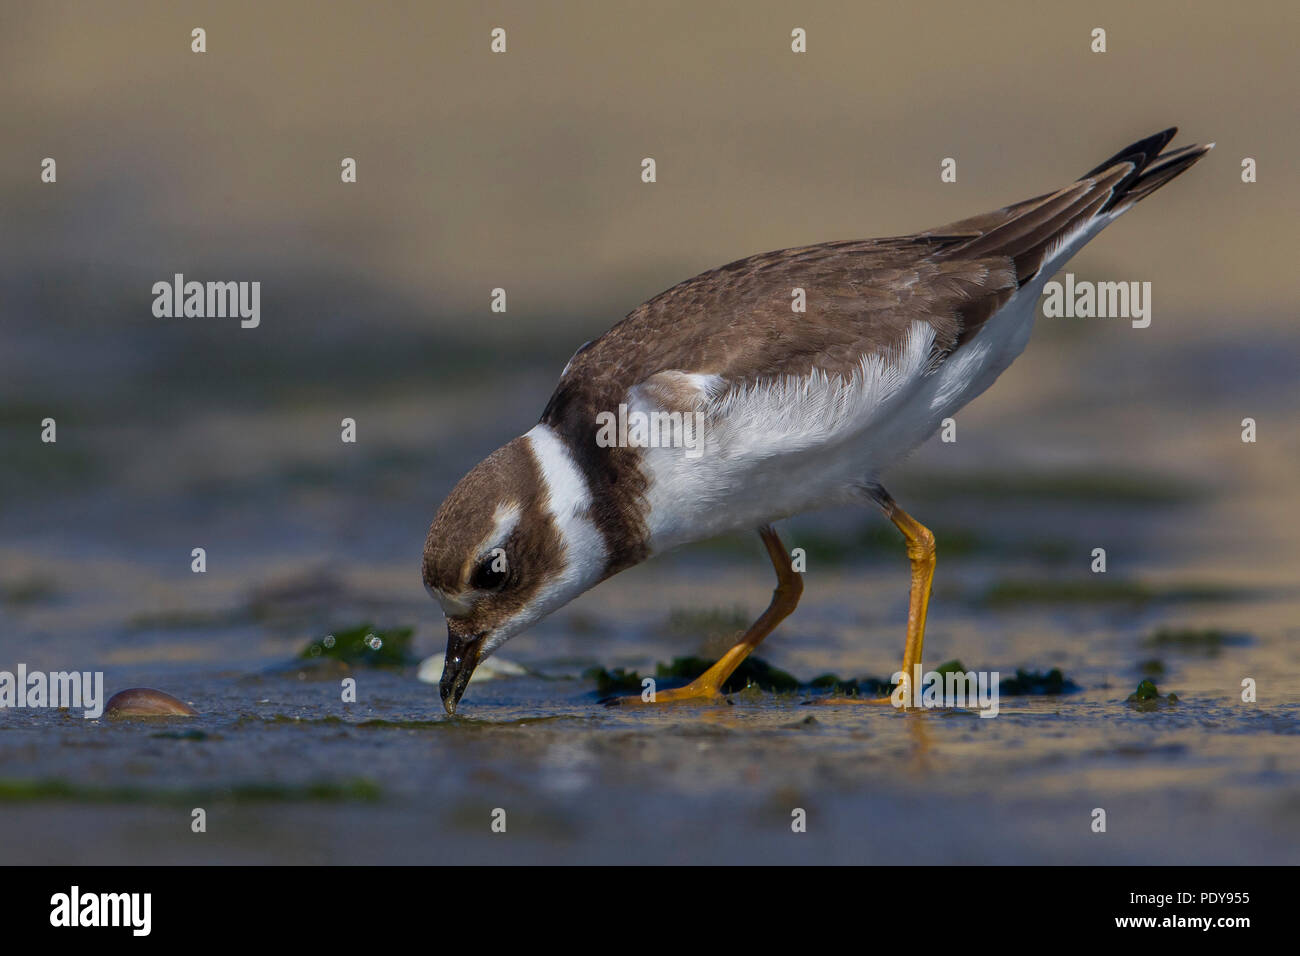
(755, 673)
(290, 719)
(1146, 690)
(364, 646)
(851, 686)
(752, 672)
(1037, 683)
(614, 681)
(1147, 697)
(1024, 683)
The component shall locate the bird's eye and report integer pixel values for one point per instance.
(489, 575)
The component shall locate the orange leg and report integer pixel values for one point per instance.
(920, 552)
(789, 585)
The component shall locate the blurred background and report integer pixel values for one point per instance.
(522, 171)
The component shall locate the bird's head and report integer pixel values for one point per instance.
(513, 541)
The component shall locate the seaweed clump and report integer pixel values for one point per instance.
(1147, 697)
(364, 646)
(752, 672)
(612, 681)
(1037, 683)
(852, 686)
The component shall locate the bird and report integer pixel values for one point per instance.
(763, 412)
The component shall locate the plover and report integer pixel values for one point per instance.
(778, 411)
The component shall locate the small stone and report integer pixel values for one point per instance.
(146, 702)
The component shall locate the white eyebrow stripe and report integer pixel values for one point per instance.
(504, 520)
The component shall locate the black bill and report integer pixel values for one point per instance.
(462, 658)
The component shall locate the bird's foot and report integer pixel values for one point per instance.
(834, 701)
(699, 691)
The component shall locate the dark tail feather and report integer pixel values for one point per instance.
(1151, 168)
(1029, 233)
(1164, 169)
(1140, 153)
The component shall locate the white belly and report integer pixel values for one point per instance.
(793, 446)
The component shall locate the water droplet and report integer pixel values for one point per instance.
(374, 642)
(329, 640)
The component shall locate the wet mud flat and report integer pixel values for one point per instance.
(286, 772)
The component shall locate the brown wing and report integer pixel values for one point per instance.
(862, 295)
